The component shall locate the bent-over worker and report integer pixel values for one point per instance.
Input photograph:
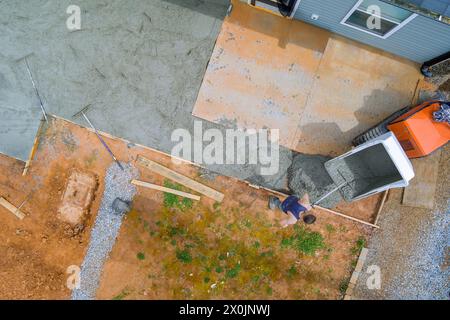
(294, 208)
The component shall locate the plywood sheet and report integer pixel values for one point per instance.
(261, 72)
(356, 87)
(421, 191)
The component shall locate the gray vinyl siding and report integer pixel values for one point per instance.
(420, 40)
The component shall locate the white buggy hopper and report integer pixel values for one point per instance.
(375, 166)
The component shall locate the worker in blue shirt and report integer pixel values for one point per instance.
(294, 208)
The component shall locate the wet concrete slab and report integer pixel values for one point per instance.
(138, 64)
(20, 113)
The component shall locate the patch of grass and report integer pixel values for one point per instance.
(121, 295)
(359, 245)
(184, 256)
(330, 228)
(343, 286)
(304, 241)
(256, 244)
(140, 256)
(216, 205)
(233, 272)
(219, 269)
(292, 271)
(172, 200)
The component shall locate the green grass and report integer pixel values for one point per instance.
(343, 286)
(121, 295)
(184, 256)
(359, 245)
(330, 228)
(216, 205)
(140, 256)
(233, 272)
(304, 241)
(172, 200)
(292, 271)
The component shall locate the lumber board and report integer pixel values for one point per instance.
(421, 191)
(164, 189)
(347, 217)
(179, 178)
(381, 206)
(11, 208)
(33, 149)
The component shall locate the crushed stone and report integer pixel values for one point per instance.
(105, 229)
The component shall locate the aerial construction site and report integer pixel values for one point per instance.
(224, 149)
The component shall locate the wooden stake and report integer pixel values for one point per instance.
(33, 149)
(8, 206)
(164, 189)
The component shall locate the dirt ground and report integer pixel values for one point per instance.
(167, 247)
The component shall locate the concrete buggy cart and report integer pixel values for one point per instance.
(372, 167)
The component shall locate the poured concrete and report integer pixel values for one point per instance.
(19, 111)
(138, 64)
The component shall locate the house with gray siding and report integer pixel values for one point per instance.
(415, 29)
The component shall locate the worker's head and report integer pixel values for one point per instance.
(309, 219)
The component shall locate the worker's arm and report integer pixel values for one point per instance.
(290, 220)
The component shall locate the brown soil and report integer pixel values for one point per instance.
(166, 248)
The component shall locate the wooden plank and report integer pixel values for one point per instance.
(8, 206)
(179, 178)
(33, 149)
(421, 191)
(383, 200)
(347, 217)
(164, 189)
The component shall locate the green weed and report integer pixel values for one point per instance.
(140, 256)
(184, 256)
(304, 241)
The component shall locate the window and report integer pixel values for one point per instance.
(377, 18)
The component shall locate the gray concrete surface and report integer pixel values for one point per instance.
(19, 109)
(138, 64)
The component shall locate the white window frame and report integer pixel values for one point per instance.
(387, 35)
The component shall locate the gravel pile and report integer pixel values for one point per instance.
(105, 230)
(428, 276)
(412, 247)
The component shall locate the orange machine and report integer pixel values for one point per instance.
(415, 128)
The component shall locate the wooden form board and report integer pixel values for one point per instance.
(421, 191)
(164, 189)
(179, 178)
(8, 206)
